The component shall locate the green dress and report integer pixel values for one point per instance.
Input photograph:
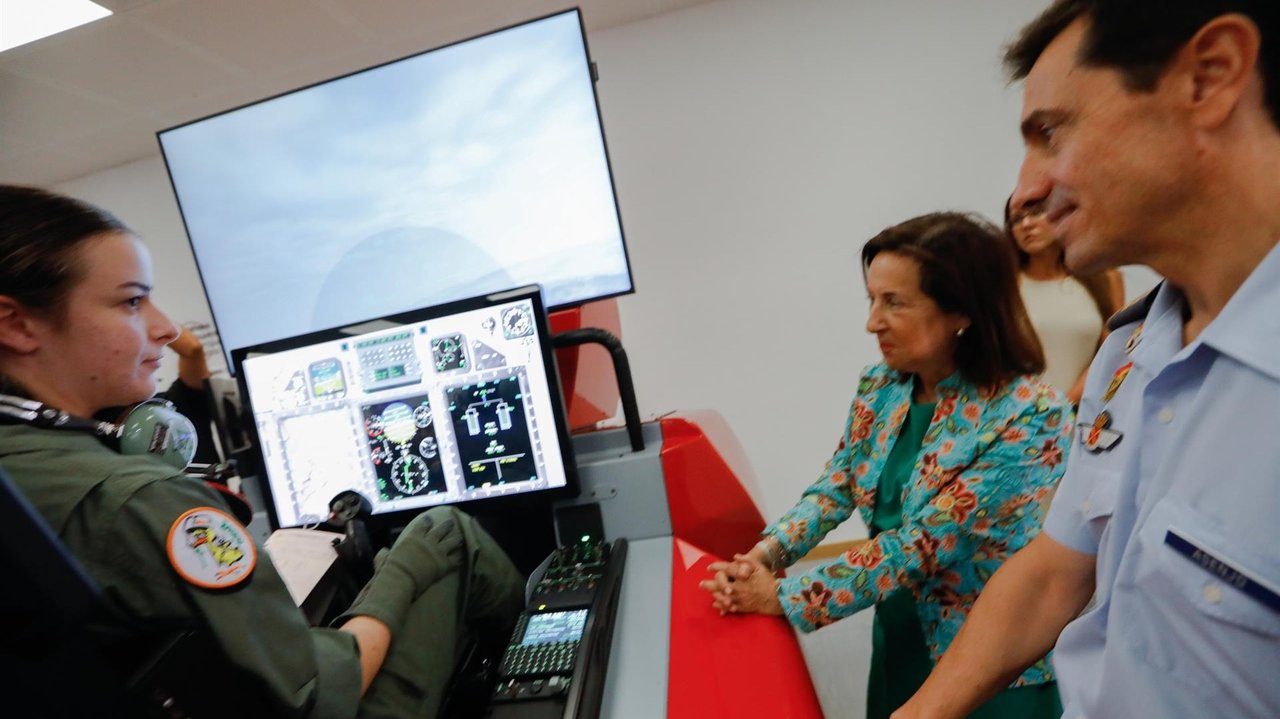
(900, 659)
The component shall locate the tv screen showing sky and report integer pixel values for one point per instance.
(472, 168)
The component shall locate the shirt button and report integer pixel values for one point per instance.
(1212, 593)
(1165, 415)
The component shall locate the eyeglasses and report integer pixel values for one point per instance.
(1033, 211)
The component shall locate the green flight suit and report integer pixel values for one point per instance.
(114, 513)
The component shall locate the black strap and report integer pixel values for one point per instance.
(1135, 311)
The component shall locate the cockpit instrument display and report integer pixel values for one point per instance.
(452, 404)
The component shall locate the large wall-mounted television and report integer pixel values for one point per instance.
(455, 404)
(466, 169)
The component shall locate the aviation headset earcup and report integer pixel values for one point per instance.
(155, 427)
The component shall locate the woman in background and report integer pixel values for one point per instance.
(950, 445)
(1068, 311)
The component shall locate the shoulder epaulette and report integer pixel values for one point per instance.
(1136, 310)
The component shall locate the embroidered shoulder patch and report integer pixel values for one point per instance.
(210, 549)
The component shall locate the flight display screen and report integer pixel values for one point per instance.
(453, 404)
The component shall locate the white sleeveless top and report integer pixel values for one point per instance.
(1068, 322)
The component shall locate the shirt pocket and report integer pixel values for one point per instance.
(1217, 575)
(1100, 503)
(1192, 618)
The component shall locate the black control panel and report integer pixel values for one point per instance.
(572, 575)
(547, 643)
(560, 647)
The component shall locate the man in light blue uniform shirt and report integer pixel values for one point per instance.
(1153, 137)
(1181, 514)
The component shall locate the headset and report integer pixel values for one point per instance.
(153, 427)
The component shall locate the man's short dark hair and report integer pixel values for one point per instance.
(1140, 37)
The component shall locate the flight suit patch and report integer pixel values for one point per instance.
(209, 548)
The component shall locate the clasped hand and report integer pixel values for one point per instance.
(742, 586)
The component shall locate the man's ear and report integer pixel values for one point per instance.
(17, 327)
(1221, 61)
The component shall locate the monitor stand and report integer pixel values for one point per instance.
(525, 532)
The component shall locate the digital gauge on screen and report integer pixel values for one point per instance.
(398, 432)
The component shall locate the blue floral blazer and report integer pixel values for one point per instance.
(987, 462)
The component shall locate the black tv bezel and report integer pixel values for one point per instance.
(595, 95)
(487, 505)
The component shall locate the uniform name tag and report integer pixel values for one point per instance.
(1267, 595)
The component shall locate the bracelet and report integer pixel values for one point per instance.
(772, 550)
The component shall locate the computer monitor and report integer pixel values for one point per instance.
(454, 404)
(466, 169)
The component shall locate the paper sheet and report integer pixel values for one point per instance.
(302, 556)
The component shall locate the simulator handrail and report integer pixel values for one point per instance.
(621, 369)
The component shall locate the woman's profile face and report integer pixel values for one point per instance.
(1032, 230)
(104, 349)
(914, 334)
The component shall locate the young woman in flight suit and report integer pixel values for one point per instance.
(79, 333)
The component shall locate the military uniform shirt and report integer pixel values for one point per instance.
(114, 513)
(1181, 514)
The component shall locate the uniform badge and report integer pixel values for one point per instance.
(1225, 570)
(210, 549)
(1098, 435)
(1117, 379)
(1135, 338)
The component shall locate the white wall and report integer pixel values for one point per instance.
(756, 145)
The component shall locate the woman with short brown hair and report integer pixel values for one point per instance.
(950, 445)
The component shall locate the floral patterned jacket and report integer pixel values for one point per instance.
(986, 463)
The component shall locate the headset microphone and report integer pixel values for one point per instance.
(153, 427)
